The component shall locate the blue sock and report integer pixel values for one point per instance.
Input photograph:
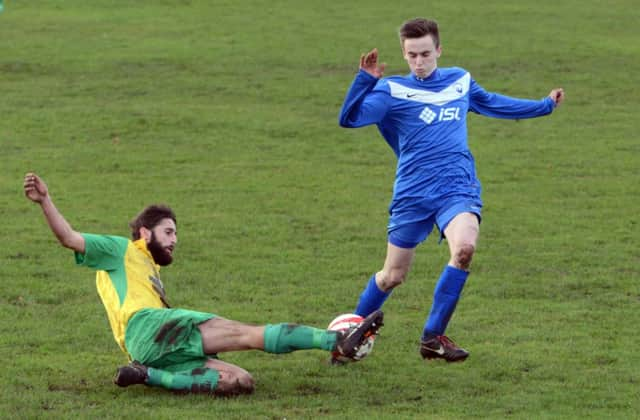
(445, 298)
(371, 298)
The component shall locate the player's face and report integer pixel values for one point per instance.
(163, 241)
(421, 55)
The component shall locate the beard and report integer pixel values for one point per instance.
(160, 255)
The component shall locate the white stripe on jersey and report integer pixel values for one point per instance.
(454, 91)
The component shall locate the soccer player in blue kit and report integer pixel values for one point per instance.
(422, 116)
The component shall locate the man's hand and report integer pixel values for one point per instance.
(34, 188)
(557, 95)
(369, 63)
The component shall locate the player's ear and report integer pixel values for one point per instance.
(145, 234)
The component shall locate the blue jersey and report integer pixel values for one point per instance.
(424, 122)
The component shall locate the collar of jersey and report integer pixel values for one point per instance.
(141, 244)
(432, 76)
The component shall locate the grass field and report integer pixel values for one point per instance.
(228, 112)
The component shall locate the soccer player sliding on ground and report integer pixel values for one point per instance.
(422, 116)
(169, 347)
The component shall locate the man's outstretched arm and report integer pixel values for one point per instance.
(362, 106)
(495, 105)
(36, 190)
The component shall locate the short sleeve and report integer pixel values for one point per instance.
(102, 252)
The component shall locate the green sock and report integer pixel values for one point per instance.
(285, 338)
(196, 380)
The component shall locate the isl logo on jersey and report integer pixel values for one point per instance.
(446, 114)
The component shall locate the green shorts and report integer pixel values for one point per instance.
(167, 339)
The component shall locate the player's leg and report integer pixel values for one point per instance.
(167, 347)
(462, 234)
(211, 377)
(223, 335)
(232, 379)
(404, 235)
(396, 266)
(403, 239)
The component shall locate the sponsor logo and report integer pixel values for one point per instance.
(427, 115)
(446, 114)
(439, 350)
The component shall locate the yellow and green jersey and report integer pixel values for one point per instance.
(127, 278)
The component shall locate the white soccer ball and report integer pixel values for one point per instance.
(344, 322)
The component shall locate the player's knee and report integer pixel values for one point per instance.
(463, 256)
(246, 384)
(392, 278)
(234, 383)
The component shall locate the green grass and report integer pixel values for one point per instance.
(228, 112)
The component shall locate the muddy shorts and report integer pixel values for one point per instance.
(167, 339)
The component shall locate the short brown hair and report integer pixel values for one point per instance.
(150, 217)
(419, 27)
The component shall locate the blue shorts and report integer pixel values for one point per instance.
(413, 224)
